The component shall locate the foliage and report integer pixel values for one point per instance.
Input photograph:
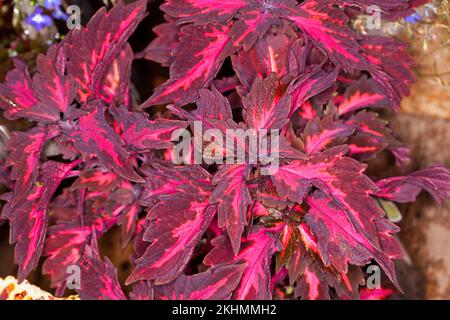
(207, 231)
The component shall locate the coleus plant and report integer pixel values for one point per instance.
(94, 159)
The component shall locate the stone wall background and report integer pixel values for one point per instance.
(426, 226)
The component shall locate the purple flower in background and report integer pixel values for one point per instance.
(52, 4)
(38, 19)
(414, 18)
(55, 5)
(59, 14)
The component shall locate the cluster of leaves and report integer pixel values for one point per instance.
(94, 160)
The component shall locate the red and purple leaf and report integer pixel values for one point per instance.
(24, 158)
(310, 84)
(28, 225)
(96, 180)
(364, 93)
(250, 26)
(203, 11)
(435, 180)
(54, 91)
(391, 66)
(92, 50)
(339, 242)
(141, 134)
(142, 290)
(268, 55)
(376, 294)
(28, 219)
(233, 198)
(66, 242)
(128, 221)
(116, 84)
(311, 286)
(256, 254)
(198, 58)
(64, 247)
(213, 111)
(329, 171)
(160, 49)
(17, 97)
(95, 137)
(316, 280)
(264, 107)
(211, 104)
(312, 279)
(42, 98)
(321, 134)
(373, 135)
(216, 283)
(290, 236)
(177, 225)
(327, 27)
(163, 181)
(98, 277)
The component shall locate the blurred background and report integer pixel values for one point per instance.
(423, 124)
